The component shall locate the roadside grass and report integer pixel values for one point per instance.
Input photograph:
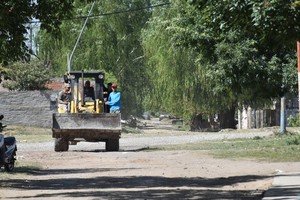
(25, 134)
(277, 148)
(28, 134)
(22, 169)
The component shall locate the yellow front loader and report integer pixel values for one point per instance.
(85, 118)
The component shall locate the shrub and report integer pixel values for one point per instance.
(27, 76)
(293, 121)
(293, 139)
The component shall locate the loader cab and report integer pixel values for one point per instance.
(85, 99)
(88, 91)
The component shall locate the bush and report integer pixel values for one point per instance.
(293, 121)
(293, 140)
(27, 76)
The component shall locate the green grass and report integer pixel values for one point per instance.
(278, 148)
(284, 148)
(29, 134)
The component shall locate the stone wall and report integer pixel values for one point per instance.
(31, 108)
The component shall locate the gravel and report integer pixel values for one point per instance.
(136, 142)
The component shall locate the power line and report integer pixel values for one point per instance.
(109, 13)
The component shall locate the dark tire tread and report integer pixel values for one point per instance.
(61, 144)
(112, 145)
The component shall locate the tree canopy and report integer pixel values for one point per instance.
(239, 53)
(110, 42)
(15, 17)
(27, 76)
(185, 57)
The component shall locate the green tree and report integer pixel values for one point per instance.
(241, 53)
(111, 42)
(27, 76)
(174, 76)
(15, 16)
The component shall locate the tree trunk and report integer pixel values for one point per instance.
(227, 118)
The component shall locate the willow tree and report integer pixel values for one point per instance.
(174, 75)
(233, 53)
(56, 50)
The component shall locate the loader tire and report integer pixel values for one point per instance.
(61, 144)
(112, 145)
(2, 155)
(9, 167)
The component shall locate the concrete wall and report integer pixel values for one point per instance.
(32, 108)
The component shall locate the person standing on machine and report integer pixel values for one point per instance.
(114, 99)
(106, 91)
(64, 98)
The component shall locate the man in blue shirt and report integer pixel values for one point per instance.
(114, 99)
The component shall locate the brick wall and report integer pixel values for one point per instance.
(55, 85)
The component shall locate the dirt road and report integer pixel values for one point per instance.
(86, 171)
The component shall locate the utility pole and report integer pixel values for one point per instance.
(282, 115)
(298, 56)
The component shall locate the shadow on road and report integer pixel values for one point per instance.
(132, 187)
(128, 149)
(157, 194)
(38, 172)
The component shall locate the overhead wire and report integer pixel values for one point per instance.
(106, 14)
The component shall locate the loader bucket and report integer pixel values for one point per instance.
(90, 126)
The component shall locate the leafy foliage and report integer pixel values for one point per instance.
(190, 57)
(15, 17)
(293, 121)
(110, 43)
(293, 139)
(27, 76)
(239, 52)
(174, 75)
